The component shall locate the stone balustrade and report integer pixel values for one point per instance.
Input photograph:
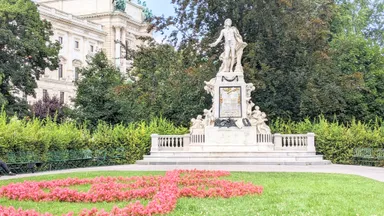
(264, 138)
(295, 142)
(282, 142)
(170, 142)
(197, 136)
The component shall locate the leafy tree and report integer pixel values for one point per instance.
(166, 84)
(357, 52)
(96, 94)
(25, 51)
(287, 55)
(48, 107)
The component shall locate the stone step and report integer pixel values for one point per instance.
(230, 154)
(235, 159)
(297, 163)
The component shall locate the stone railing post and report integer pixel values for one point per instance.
(154, 142)
(311, 142)
(278, 141)
(186, 141)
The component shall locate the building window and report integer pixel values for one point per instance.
(62, 97)
(76, 73)
(76, 44)
(60, 40)
(91, 48)
(45, 93)
(60, 71)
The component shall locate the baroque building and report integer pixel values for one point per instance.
(84, 27)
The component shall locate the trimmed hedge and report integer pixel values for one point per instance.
(41, 136)
(334, 140)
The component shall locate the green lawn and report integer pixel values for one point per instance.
(284, 194)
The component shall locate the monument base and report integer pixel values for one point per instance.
(265, 147)
(230, 136)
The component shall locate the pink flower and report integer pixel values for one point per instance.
(163, 190)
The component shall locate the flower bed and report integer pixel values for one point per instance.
(162, 190)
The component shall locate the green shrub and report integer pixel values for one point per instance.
(334, 140)
(40, 136)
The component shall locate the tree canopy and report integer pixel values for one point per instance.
(96, 97)
(25, 51)
(305, 57)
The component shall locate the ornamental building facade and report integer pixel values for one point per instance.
(84, 27)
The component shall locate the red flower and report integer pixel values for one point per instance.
(163, 190)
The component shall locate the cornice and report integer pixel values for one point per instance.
(126, 17)
(48, 12)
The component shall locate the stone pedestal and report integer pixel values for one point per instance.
(230, 136)
(231, 124)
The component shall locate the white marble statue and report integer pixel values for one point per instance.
(209, 119)
(197, 123)
(233, 48)
(210, 87)
(261, 126)
(250, 88)
(258, 119)
(250, 106)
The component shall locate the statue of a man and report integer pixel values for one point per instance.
(233, 47)
(120, 5)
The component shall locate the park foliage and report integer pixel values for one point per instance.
(25, 52)
(334, 140)
(306, 59)
(41, 136)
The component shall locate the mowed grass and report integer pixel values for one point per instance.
(284, 194)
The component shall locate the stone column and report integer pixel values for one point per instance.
(70, 49)
(117, 46)
(85, 49)
(311, 142)
(154, 142)
(186, 141)
(123, 62)
(277, 141)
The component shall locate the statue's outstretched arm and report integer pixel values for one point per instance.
(218, 39)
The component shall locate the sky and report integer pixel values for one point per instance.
(160, 7)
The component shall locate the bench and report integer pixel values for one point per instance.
(368, 156)
(66, 159)
(22, 161)
(116, 155)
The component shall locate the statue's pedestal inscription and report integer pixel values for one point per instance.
(230, 102)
